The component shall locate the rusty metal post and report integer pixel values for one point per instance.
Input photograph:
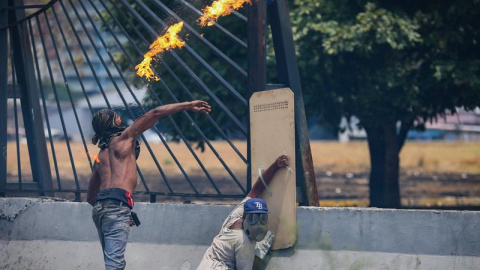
(257, 13)
(288, 74)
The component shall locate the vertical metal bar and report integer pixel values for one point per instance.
(256, 47)
(3, 95)
(45, 111)
(288, 75)
(17, 139)
(31, 112)
(256, 64)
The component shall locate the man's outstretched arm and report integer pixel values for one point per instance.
(151, 117)
(259, 187)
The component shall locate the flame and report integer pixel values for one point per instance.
(168, 41)
(94, 157)
(218, 9)
(144, 70)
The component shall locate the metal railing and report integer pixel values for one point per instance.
(73, 48)
(69, 59)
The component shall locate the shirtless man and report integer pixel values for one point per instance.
(114, 175)
(234, 246)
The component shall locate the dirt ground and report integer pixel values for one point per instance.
(433, 174)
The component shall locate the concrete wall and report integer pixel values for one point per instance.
(37, 234)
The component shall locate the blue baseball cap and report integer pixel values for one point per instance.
(255, 205)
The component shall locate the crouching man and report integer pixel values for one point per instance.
(234, 246)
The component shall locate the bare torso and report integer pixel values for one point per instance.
(117, 166)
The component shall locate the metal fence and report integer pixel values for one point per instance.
(73, 43)
(69, 59)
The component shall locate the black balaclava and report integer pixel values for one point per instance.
(103, 124)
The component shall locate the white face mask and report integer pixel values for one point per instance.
(255, 226)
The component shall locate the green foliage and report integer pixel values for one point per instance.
(372, 27)
(386, 62)
(393, 65)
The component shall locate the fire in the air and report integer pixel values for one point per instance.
(218, 9)
(170, 40)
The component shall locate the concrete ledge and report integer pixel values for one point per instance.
(41, 234)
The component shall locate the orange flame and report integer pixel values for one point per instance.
(168, 41)
(94, 157)
(218, 9)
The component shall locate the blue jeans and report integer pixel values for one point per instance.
(113, 226)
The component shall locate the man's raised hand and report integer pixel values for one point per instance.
(200, 106)
(282, 161)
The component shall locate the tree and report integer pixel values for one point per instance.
(393, 65)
